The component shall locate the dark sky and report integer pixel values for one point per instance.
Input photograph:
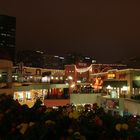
(106, 29)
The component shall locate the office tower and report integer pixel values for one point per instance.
(7, 37)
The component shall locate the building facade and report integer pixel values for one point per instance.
(80, 75)
(120, 83)
(31, 83)
(6, 77)
(8, 37)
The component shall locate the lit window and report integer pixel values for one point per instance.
(28, 95)
(3, 34)
(20, 96)
(70, 77)
(45, 79)
(61, 78)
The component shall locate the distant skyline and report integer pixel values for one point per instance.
(108, 30)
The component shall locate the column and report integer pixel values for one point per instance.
(130, 85)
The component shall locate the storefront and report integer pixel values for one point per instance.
(118, 83)
(27, 94)
(115, 88)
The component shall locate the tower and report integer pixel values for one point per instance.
(7, 37)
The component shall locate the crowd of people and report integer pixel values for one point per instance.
(19, 122)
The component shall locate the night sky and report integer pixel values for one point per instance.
(106, 29)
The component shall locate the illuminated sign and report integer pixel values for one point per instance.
(111, 76)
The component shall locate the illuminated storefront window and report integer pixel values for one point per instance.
(46, 79)
(20, 96)
(28, 95)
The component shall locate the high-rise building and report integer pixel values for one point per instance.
(7, 37)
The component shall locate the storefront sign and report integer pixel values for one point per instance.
(111, 76)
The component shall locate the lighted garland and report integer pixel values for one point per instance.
(81, 70)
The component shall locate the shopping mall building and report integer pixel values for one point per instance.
(109, 85)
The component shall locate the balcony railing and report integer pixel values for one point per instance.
(64, 96)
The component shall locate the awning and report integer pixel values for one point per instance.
(136, 83)
(115, 83)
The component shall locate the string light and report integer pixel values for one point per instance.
(81, 70)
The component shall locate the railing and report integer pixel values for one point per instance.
(66, 96)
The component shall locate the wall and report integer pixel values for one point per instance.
(132, 106)
(56, 102)
(7, 91)
(84, 98)
(5, 64)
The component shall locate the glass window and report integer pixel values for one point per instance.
(20, 96)
(28, 95)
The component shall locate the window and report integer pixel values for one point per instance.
(28, 95)
(20, 96)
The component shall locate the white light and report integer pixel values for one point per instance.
(70, 77)
(78, 81)
(51, 77)
(124, 88)
(93, 61)
(87, 58)
(109, 87)
(39, 52)
(20, 95)
(28, 95)
(0, 75)
(61, 78)
(73, 85)
(56, 78)
(81, 70)
(61, 57)
(135, 116)
(45, 79)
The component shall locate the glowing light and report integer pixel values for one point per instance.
(78, 81)
(20, 95)
(70, 77)
(45, 79)
(61, 78)
(72, 86)
(83, 69)
(56, 56)
(93, 61)
(109, 87)
(124, 88)
(111, 75)
(61, 57)
(28, 95)
(87, 58)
